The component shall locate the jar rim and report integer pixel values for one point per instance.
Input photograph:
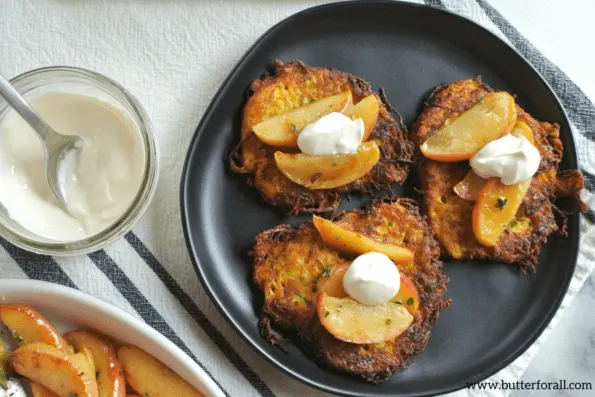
(149, 180)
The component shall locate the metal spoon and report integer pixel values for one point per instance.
(56, 145)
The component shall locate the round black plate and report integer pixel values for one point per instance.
(407, 49)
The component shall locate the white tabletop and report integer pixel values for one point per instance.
(173, 55)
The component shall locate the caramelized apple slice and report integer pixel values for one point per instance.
(28, 325)
(4, 354)
(332, 283)
(110, 377)
(352, 321)
(346, 240)
(459, 139)
(283, 130)
(470, 186)
(408, 296)
(40, 391)
(61, 373)
(327, 172)
(522, 129)
(367, 109)
(497, 203)
(148, 377)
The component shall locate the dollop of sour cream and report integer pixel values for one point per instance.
(334, 133)
(372, 279)
(100, 179)
(510, 158)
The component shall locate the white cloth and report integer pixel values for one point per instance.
(173, 55)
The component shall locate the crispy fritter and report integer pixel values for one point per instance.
(288, 263)
(293, 85)
(450, 216)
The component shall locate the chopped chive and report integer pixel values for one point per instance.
(398, 302)
(334, 164)
(410, 301)
(16, 336)
(326, 313)
(482, 100)
(501, 202)
(293, 128)
(388, 321)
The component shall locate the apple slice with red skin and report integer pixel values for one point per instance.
(55, 370)
(367, 109)
(497, 203)
(332, 285)
(459, 139)
(39, 391)
(470, 186)
(28, 325)
(408, 295)
(330, 171)
(351, 321)
(346, 240)
(110, 377)
(283, 130)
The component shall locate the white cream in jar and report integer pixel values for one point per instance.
(100, 185)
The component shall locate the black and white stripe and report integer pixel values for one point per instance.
(40, 267)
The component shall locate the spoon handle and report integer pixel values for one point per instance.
(18, 103)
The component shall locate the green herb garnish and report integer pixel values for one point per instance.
(512, 223)
(482, 100)
(410, 301)
(72, 394)
(388, 321)
(398, 302)
(293, 128)
(501, 202)
(334, 164)
(326, 313)
(16, 336)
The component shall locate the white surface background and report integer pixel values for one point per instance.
(173, 55)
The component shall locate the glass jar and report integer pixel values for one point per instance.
(84, 82)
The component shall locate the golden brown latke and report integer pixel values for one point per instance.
(293, 85)
(288, 262)
(450, 216)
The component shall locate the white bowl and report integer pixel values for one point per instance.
(70, 309)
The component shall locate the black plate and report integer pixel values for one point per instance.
(407, 49)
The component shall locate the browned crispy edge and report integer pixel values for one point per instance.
(396, 154)
(568, 183)
(429, 280)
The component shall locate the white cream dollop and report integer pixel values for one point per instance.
(372, 279)
(334, 133)
(510, 158)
